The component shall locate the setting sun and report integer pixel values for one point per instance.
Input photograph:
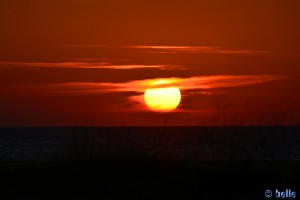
(162, 96)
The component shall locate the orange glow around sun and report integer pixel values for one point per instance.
(162, 96)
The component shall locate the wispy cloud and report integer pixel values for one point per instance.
(139, 86)
(83, 65)
(225, 81)
(204, 82)
(69, 88)
(196, 50)
(132, 92)
(163, 49)
(77, 45)
(174, 49)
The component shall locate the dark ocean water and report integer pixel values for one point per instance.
(149, 162)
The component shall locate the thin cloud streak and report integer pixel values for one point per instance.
(174, 49)
(69, 88)
(133, 90)
(205, 82)
(196, 50)
(77, 45)
(83, 65)
(139, 86)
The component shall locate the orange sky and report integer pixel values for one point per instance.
(88, 62)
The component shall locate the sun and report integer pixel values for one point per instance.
(162, 96)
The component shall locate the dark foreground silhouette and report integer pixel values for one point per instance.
(149, 163)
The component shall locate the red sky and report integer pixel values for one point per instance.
(88, 62)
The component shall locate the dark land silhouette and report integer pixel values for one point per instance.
(148, 162)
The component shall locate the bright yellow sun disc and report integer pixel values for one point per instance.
(162, 97)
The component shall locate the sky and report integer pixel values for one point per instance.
(89, 62)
